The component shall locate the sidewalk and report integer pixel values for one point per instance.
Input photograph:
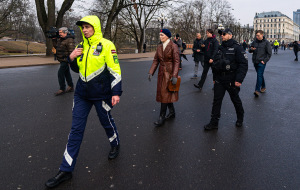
(18, 61)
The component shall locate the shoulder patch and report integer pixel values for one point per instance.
(116, 60)
(113, 51)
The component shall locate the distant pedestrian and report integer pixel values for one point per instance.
(276, 46)
(282, 45)
(198, 53)
(210, 46)
(167, 59)
(144, 47)
(296, 49)
(99, 85)
(64, 46)
(245, 45)
(262, 52)
(177, 40)
(229, 68)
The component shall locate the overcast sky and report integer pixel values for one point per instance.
(245, 9)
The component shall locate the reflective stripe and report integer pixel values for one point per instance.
(111, 139)
(92, 75)
(118, 77)
(105, 106)
(68, 158)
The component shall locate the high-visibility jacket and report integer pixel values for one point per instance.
(100, 72)
(276, 43)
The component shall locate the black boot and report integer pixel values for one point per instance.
(162, 118)
(210, 127)
(171, 111)
(160, 121)
(114, 152)
(60, 177)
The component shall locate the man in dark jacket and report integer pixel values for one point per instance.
(198, 53)
(296, 49)
(210, 46)
(229, 68)
(64, 47)
(262, 52)
(177, 40)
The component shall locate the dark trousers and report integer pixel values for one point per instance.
(296, 54)
(81, 110)
(163, 108)
(64, 74)
(206, 67)
(276, 49)
(219, 92)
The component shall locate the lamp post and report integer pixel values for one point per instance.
(162, 19)
(27, 44)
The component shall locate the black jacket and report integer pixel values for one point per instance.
(198, 56)
(296, 46)
(211, 48)
(263, 51)
(238, 58)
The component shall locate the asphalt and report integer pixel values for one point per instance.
(264, 154)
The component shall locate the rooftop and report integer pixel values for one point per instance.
(269, 14)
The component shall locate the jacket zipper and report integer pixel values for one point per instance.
(86, 61)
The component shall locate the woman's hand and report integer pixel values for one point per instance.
(115, 100)
(77, 52)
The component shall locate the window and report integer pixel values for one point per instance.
(256, 21)
(268, 31)
(274, 20)
(283, 25)
(268, 25)
(275, 31)
(260, 25)
(271, 25)
(264, 25)
(279, 30)
(279, 20)
(282, 30)
(278, 25)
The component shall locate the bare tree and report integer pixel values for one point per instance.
(48, 18)
(136, 18)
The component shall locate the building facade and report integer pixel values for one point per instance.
(276, 26)
(296, 16)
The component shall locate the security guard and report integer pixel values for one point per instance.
(99, 84)
(229, 68)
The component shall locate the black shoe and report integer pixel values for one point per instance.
(160, 121)
(239, 124)
(60, 177)
(170, 115)
(210, 127)
(197, 86)
(256, 94)
(114, 152)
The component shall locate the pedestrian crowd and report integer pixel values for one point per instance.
(100, 83)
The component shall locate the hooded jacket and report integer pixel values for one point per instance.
(263, 51)
(276, 43)
(99, 71)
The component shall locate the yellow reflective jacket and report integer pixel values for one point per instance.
(276, 43)
(100, 72)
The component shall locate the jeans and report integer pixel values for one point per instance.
(219, 92)
(260, 81)
(296, 54)
(64, 74)
(204, 73)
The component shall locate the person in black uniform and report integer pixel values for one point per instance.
(229, 68)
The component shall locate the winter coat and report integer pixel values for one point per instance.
(168, 63)
(296, 46)
(263, 51)
(179, 44)
(99, 72)
(198, 56)
(64, 47)
(210, 49)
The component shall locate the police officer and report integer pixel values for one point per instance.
(99, 84)
(229, 68)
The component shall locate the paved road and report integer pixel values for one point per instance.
(264, 154)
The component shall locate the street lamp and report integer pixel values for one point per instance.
(162, 19)
(27, 43)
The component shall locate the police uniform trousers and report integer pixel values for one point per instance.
(219, 91)
(81, 110)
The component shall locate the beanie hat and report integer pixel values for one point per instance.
(166, 32)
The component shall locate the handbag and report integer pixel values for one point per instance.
(174, 87)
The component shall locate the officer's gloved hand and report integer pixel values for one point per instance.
(174, 80)
(149, 77)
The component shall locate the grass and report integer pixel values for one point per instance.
(20, 47)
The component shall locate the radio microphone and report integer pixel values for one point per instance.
(80, 46)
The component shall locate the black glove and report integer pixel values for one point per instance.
(149, 77)
(174, 80)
